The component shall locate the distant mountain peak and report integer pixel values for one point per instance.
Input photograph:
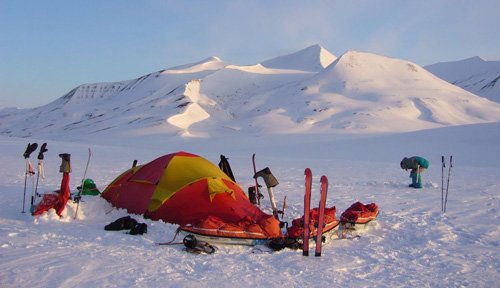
(364, 66)
(210, 63)
(475, 59)
(313, 58)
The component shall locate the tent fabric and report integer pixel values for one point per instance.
(182, 188)
(217, 186)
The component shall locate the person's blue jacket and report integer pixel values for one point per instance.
(414, 162)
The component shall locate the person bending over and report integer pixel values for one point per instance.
(417, 165)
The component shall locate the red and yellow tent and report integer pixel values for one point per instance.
(183, 188)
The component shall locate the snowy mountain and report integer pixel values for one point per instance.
(474, 75)
(309, 91)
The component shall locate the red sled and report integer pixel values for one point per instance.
(358, 215)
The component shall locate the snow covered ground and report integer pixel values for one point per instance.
(412, 244)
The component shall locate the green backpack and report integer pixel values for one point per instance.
(89, 188)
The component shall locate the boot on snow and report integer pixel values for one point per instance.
(416, 180)
(124, 223)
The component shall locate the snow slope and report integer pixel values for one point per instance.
(371, 90)
(411, 244)
(473, 74)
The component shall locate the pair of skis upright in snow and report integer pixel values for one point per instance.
(321, 218)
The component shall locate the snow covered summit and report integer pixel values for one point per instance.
(314, 58)
(390, 94)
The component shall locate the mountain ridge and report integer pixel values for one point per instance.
(357, 92)
(473, 74)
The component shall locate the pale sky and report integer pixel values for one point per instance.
(49, 47)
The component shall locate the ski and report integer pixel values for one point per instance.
(283, 209)
(79, 195)
(307, 207)
(257, 192)
(321, 220)
(40, 172)
(29, 168)
(447, 184)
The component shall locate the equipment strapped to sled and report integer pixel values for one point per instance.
(346, 234)
(197, 247)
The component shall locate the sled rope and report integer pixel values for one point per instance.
(346, 234)
(171, 242)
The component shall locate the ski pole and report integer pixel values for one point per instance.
(29, 149)
(40, 171)
(443, 165)
(257, 192)
(25, 182)
(448, 183)
(81, 189)
(32, 191)
(32, 206)
(284, 208)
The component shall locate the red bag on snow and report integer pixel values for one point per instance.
(57, 201)
(297, 228)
